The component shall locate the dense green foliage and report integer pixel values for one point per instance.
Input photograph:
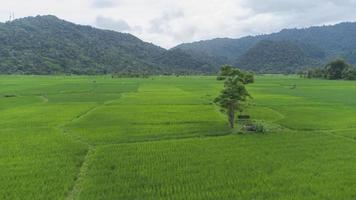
(310, 45)
(181, 62)
(98, 137)
(335, 70)
(234, 95)
(48, 45)
(275, 56)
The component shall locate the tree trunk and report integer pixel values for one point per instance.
(232, 116)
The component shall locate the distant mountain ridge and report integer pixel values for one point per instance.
(318, 44)
(48, 45)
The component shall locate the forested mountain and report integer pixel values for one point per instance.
(48, 45)
(223, 50)
(318, 44)
(174, 60)
(275, 56)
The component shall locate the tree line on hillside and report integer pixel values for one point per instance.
(335, 70)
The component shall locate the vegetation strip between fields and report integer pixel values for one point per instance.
(340, 136)
(76, 189)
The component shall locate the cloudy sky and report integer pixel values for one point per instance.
(170, 22)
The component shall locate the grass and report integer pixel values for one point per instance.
(286, 166)
(94, 137)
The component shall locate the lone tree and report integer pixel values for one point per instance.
(234, 95)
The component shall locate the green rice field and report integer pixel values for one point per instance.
(98, 137)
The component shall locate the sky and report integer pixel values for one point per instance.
(170, 22)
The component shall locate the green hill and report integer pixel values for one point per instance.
(48, 45)
(321, 44)
(175, 58)
(275, 56)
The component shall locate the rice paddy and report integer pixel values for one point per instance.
(97, 137)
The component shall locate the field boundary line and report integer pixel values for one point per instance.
(339, 136)
(83, 114)
(67, 133)
(76, 188)
(63, 129)
(166, 140)
(44, 98)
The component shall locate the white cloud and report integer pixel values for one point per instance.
(104, 3)
(112, 24)
(170, 22)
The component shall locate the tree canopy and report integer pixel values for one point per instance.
(335, 70)
(234, 95)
